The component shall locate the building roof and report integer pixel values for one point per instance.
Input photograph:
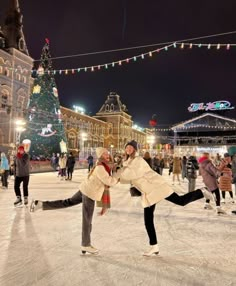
(206, 121)
(112, 104)
(12, 29)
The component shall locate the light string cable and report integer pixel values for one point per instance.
(144, 46)
(134, 58)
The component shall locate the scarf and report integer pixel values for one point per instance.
(19, 155)
(99, 163)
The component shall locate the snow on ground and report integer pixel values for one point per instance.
(197, 247)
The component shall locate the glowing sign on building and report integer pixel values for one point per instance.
(216, 105)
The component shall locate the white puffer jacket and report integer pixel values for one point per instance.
(93, 187)
(153, 186)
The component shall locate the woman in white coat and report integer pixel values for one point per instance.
(91, 190)
(153, 189)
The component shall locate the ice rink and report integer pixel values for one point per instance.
(197, 247)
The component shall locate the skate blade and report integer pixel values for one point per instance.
(89, 253)
(152, 255)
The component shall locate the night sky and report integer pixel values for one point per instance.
(164, 84)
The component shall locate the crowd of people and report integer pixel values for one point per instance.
(143, 173)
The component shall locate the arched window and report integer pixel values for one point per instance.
(4, 99)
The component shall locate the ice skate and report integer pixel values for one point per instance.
(89, 249)
(219, 211)
(35, 205)
(18, 202)
(25, 201)
(154, 250)
(207, 194)
(208, 206)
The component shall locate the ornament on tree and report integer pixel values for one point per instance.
(55, 91)
(40, 71)
(47, 131)
(32, 113)
(63, 146)
(37, 89)
(153, 121)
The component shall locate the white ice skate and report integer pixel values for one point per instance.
(154, 250)
(89, 249)
(219, 211)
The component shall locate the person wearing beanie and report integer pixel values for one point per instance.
(132, 143)
(153, 188)
(91, 190)
(21, 170)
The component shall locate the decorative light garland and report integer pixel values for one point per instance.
(120, 62)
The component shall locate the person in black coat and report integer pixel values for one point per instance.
(70, 163)
(191, 172)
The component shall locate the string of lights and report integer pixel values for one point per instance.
(181, 43)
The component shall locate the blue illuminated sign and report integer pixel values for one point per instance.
(216, 105)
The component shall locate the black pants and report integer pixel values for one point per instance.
(18, 181)
(230, 193)
(70, 172)
(4, 178)
(186, 198)
(149, 224)
(216, 192)
(90, 166)
(174, 198)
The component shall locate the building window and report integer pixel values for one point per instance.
(4, 101)
(107, 107)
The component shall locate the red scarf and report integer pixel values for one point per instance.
(19, 155)
(107, 168)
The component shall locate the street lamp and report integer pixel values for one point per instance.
(150, 141)
(112, 146)
(19, 123)
(84, 137)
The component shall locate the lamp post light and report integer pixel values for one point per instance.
(150, 141)
(84, 137)
(19, 123)
(111, 146)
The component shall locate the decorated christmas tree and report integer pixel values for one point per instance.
(45, 130)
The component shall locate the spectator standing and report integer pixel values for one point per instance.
(191, 172)
(70, 164)
(90, 162)
(5, 170)
(177, 167)
(156, 164)
(21, 170)
(183, 171)
(233, 165)
(148, 159)
(62, 165)
(226, 177)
